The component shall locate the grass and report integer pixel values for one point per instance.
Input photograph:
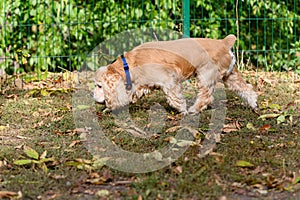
(46, 123)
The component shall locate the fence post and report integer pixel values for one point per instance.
(186, 18)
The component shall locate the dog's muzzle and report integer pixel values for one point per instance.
(98, 95)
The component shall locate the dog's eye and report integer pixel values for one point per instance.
(99, 86)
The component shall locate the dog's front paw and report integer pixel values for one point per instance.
(192, 111)
(184, 113)
(106, 110)
(251, 98)
(196, 109)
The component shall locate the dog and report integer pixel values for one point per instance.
(166, 64)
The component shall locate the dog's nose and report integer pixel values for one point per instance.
(92, 94)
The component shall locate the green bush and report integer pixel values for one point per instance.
(52, 35)
(268, 31)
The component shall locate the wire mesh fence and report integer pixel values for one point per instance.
(41, 36)
(267, 30)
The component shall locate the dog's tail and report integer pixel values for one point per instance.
(230, 68)
(229, 42)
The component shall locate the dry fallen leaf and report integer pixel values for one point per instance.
(19, 83)
(57, 176)
(250, 126)
(107, 176)
(2, 128)
(12, 96)
(102, 193)
(8, 194)
(185, 143)
(268, 116)
(96, 181)
(264, 81)
(173, 129)
(265, 127)
(80, 130)
(3, 163)
(233, 126)
(170, 139)
(223, 198)
(216, 154)
(218, 180)
(73, 143)
(59, 80)
(178, 170)
(258, 170)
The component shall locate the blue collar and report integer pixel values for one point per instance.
(126, 69)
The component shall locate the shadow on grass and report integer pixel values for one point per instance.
(46, 123)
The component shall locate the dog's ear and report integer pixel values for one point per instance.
(99, 73)
(114, 89)
(229, 40)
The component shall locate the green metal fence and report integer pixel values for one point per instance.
(267, 30)
(55, 35)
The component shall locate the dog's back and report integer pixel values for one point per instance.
(167, 63)
(183, 55)
(197, 50)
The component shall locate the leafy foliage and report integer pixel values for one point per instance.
(268, 31)
(54, 35)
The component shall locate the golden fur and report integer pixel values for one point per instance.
(168, 63)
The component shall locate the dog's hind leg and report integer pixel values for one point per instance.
(175, 97)
(236, 83)
(207, 77)
(204, 98)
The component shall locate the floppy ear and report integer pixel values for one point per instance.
(229, 40)
(100, 72)
(114, 90)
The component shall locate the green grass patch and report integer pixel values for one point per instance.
(257, 158)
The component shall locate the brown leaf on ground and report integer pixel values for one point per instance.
(263, 81)
(57, 176)
(73, 143)
(81, 130)
(12, 96)
(3, 163)
(107, 176)
(50, 194)
(233, 126)
(96, 181)
(258, 170)
(8, 194)
(265, 128)
(19, 83)
(173, 129)
(58, 80)
(178, 170)
(223, 198)
(218, 180)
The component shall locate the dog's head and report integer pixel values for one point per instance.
(98, 92)
(110, 88)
